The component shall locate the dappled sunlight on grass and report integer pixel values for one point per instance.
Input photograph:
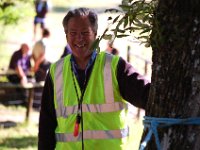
(23, 137)
(14, 132)
(19, 143)
(137, 133)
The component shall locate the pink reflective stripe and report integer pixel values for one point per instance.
(101, 108)
(59, 85)
(93, 134)
(108, 86)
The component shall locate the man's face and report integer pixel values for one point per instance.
(25, 48)
(80, 36)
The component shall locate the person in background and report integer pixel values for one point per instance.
(41, 10)
(87, 94)
(111, 49)
(20, 63)
(67, 51)
(41, 64)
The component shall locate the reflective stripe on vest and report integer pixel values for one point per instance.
(108, 86)
(97, 134)
(69, 110)
(59, 87)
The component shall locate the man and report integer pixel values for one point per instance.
(86, 94)
(20, 62)
(41, 64)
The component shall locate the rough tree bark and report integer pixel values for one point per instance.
(175, 90)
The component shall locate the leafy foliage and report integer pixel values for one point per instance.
(11, 11)
(135, 19)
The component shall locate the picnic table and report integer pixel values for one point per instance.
(5, 72)
(30, 86)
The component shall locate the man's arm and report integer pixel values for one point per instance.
(21, 74)
(47, 120)
(132, 86)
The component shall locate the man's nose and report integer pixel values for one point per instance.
(79, 36)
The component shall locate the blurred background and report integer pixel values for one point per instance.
(13, 35)
(17, 134)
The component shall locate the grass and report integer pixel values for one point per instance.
(24, 136)
(18, 135)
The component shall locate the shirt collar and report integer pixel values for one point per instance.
(90, 62)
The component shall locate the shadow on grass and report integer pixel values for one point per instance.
(19, 143)
(7, 124)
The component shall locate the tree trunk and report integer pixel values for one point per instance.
(175, 89)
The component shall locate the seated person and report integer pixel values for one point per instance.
(41, 65)
(20, 62)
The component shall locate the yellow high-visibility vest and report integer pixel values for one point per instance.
(106, 123)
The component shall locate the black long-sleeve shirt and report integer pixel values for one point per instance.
(132, 87)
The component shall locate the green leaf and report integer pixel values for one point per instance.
(125, 7)
(122, 35)
(116, 18)
(95, 44)
(120, 30)
(137, 22)
(109, 18)
(145, 31)
(107, 36)
(112, 10)
(125, 21)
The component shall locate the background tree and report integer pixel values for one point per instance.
(134, 18)
(172, 28)
(11, 11)
(13, 15)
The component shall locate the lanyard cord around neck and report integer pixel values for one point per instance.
(79, 117)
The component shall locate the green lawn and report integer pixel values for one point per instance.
(17, 134)
(24, 136)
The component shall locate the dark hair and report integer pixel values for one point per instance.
(92, 16)
(115, 51)
(45, 32)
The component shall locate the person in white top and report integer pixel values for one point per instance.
(38, 54)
